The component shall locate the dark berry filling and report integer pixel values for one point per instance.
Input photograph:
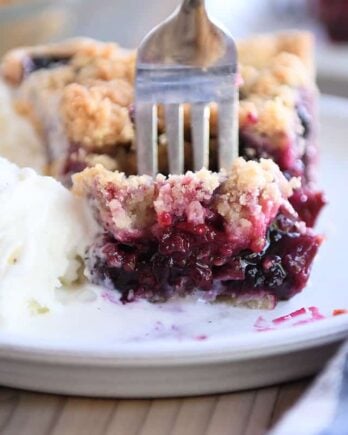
(183, 257)
(35, 63)
(284, 265)
(308, 204)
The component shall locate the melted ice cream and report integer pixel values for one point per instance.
(44, 232)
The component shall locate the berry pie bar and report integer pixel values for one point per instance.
(243, 236)
(79, 94)
(233, 236)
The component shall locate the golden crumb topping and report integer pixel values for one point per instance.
(258, 51)
(271, 118)
(97, 115)
(123, 205)
(93, 89)
(283, 69)
(184, 196)
(250, 199)
(104, 63)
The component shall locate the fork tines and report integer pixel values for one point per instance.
(172, 89)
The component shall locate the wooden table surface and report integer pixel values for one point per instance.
(248, 413)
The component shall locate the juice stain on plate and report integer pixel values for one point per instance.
(298, 317)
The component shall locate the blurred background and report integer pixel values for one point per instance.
(25, 22)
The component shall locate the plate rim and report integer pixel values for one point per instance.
(191, 352)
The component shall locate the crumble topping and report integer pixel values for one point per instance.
(93, 87)
(269, 118)
(96, 115)
(248, 199)
(184, 196)
(104, 160)
(104, 61)
(279, 72)
(258, 51)
(123, 205)
(48, 81)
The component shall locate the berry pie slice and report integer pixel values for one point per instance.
(79, 94)
(232, 236)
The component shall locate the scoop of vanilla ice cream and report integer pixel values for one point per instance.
(19, 142)
(44, 233)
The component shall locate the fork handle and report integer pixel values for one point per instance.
(192, 4)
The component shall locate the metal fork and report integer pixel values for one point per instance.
(186, 59)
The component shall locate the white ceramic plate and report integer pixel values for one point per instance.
(188, 347)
